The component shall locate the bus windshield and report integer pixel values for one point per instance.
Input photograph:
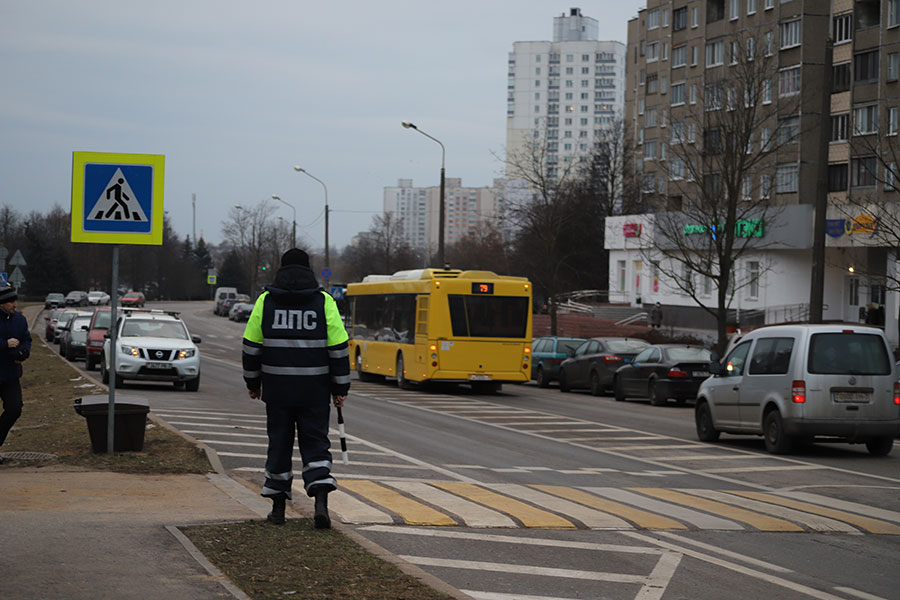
(488, 316)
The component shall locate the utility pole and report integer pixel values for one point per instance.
(194, 205)
(817, 281)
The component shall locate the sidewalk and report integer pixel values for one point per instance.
(71, 534)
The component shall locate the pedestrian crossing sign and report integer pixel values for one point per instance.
(117, 198)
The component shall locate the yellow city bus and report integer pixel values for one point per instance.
(441, 325)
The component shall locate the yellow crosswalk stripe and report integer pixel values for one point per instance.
(412, 512)
(866, 523)
(754, 519)
(528, 515)
(641, 518)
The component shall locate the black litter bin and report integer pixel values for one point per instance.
(130, 416)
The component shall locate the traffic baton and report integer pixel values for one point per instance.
(343, 436)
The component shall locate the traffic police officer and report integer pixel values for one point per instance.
(295, 357)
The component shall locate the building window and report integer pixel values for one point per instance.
(789, 81)
(892, 120)
(892, 66)
(652, 84)
(693, 56)
(839, 127)
(679, 56)
(677, 94)
(735, 52)
(751, 7)
(747, 189)
(695, 17)
(753, 279)
(788, 130)
(790, 34)
(765, 187)
(649, 149)
(665, 51)
(840, 78)
(842, 28)
(893, 13)
(785, 179)
(622, 275)
(692, 133)
(862, 171)
(865, 119)
(890, 177)
(712, 97)
(770, 4)
(767, 91)
(769, 43)
(715, 53)
(652, 52)
(837, 178)
(765, 135)
(679, 18)
(751, 48)
(735, 11)
(865, 67)
(653, 19)
(665, 18)
(676, 169)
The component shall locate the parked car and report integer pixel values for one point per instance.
(98, 298)
(595, 363)
(65, 330)
(794, 383)
(663, 371)
(153, 345)
(547, 353)
(76, 298)
(52, 318)
(62, 322)
(98, 328)
(229, 303)
(73, 341)
(222, 294)
(135, 299)
(240, 311)
(54, 299)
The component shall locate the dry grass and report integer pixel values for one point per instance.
(296, 561)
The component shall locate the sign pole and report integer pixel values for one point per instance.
(111, 420)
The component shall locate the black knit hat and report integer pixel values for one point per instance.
(295, 256)
(7, 293)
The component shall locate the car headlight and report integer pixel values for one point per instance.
(186, 353)
(135, 352)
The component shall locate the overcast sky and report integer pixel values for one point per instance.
(235, 93)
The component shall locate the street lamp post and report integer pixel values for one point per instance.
(293, 223)
(440, 257)
(300, 169)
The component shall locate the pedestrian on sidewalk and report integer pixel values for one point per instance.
(296, 359)
(15, 347)
(656, 316)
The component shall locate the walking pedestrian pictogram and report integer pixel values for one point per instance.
(118, 202)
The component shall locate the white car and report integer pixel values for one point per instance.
(98, 298)
(153, 345)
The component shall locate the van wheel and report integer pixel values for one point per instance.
(777, 441)
(402, 382)
(619, 391)
(543, 379)
(706, 432)
(596, 388)
(880, 446)
(563, 382)
(656, 396)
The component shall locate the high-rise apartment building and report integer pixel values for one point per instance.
(691, 64)
(416, 210)
(564, 92)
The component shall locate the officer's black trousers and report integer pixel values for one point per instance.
(310, 422)
(11, 393)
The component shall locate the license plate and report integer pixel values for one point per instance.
(157, 365)
(479, 377)
(851, 397)
(700, 374)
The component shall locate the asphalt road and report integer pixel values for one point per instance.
(536, 494)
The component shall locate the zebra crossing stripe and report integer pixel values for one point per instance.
(412, 512)
(867, 523)
(473, 514)
(641, 518)
(593, 519)
(741, 515)
(695, 518)
(870, 511)
(528, 515)
(352, 510)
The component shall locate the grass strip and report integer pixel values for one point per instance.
(295, 560)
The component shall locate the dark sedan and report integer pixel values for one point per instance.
(240, 311)
(595, 362)
(664, 371)
(54, 299)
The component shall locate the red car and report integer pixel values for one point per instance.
(133, 299)
(99, 327)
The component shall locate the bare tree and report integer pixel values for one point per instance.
(715, 187)
(480, 249)
(381, 250)
(248, 230)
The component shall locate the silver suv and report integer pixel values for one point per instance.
(794, 383)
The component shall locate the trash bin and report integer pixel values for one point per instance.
(130, 421)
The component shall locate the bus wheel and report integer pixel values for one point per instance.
(402, 382)
(363, 376)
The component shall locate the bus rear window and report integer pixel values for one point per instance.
(488, 316)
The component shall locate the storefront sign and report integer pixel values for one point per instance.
(855, 226)
(631, 230)
(744, 228)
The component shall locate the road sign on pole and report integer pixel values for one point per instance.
(117, 198)
(17, 278)
(211, 279)
(18, 260)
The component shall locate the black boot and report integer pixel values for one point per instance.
(323, 521)
(277, 514)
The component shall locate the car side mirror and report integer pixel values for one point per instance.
(85, 328)
(715, 367)
(196, 339)
(106, 336)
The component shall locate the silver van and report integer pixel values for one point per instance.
(222, 294)
(794, 383)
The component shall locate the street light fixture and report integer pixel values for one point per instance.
(300, 169)
(440, 257)
(294, 223)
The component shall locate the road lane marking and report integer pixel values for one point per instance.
(699, 520)
(764, 469)
(759, 521)
(411, 511)
(728, 553)
(858, 594)
(473, 515)
(862, 509)
(867, 523)
(641, 518)
(529, 516)
(713, 457)
(473, 565)
(593, 519)
(501, 596)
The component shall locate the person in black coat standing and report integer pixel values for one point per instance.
(15, 347)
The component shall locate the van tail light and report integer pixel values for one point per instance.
(897, 392)
(676, 373)
(798, 391)
(612, 358)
